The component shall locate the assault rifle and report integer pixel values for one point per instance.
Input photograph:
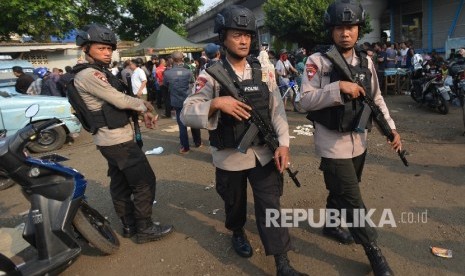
(341, 66)
(134, 114)
(256, 122)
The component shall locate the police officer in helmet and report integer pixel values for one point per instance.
(341, 147)
(212, 108)
(105, 113)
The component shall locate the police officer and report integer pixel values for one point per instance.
(343, 150)
(210, 107)
(132, 184)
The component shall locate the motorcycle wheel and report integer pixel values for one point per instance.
(5, 182)
(96, 229)
(443, 107)
(49, 140)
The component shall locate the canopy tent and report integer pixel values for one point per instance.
(162, 41)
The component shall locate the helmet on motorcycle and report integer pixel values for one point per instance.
(96, 33)
(40, 72)
(344, 12)
(235, 17)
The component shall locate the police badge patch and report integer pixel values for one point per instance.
(200, 83)
(311, 70)
(101, 76)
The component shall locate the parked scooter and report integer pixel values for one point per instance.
(5, 181)
(428, 87)
(59, 213)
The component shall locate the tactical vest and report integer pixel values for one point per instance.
(344, 118)
(109, 116)
(230, 131)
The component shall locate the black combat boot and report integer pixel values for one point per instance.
(284, 268)
(378, 262)
(129, 226)
(241, 244)
(339, 234)
(147, 231)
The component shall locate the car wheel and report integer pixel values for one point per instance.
(49, 140)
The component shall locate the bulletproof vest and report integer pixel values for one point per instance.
(230, 131)
(109, 116)
(343, 118)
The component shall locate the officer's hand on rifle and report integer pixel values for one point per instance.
(281, 158)
(351, 89)
(150, 119)
(231, 106)
(396, 144)
(149, 106)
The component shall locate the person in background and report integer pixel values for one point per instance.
(178, 81)
(212, 51)
(114, 68)
(36, 86)
(126, 72)
(49, 86)
(24, 80)
(138, 79)
(64, 80)
(391, 55)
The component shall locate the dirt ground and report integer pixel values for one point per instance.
(433, 184)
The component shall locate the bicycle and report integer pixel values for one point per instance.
(294, 92)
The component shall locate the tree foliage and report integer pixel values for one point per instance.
(131, 19)
(299, 21)
(142, 17)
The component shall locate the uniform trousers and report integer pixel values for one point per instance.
(130, 176)
(267, 188)
(342, 177)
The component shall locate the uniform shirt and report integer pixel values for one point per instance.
(137, 77)
(95, 90)
(319, 93)
(195, 114)
(177, 79)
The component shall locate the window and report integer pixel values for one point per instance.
(36, 59)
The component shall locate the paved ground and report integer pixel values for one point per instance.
(433, 184)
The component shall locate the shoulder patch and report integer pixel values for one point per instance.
(101, 76)
(200, 83)
(311, 70)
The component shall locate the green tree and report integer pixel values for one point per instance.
(300, 21)
(131, 19)
(141, 17)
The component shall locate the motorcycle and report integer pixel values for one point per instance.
(294, 91)
(430, 89)
(459, 87)
(59, 216)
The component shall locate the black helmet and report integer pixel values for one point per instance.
(235, 17)
(96, 33)
(344, 12)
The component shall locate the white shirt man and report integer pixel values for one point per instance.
(138, 81)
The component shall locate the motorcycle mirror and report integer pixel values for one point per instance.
(32, 110)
